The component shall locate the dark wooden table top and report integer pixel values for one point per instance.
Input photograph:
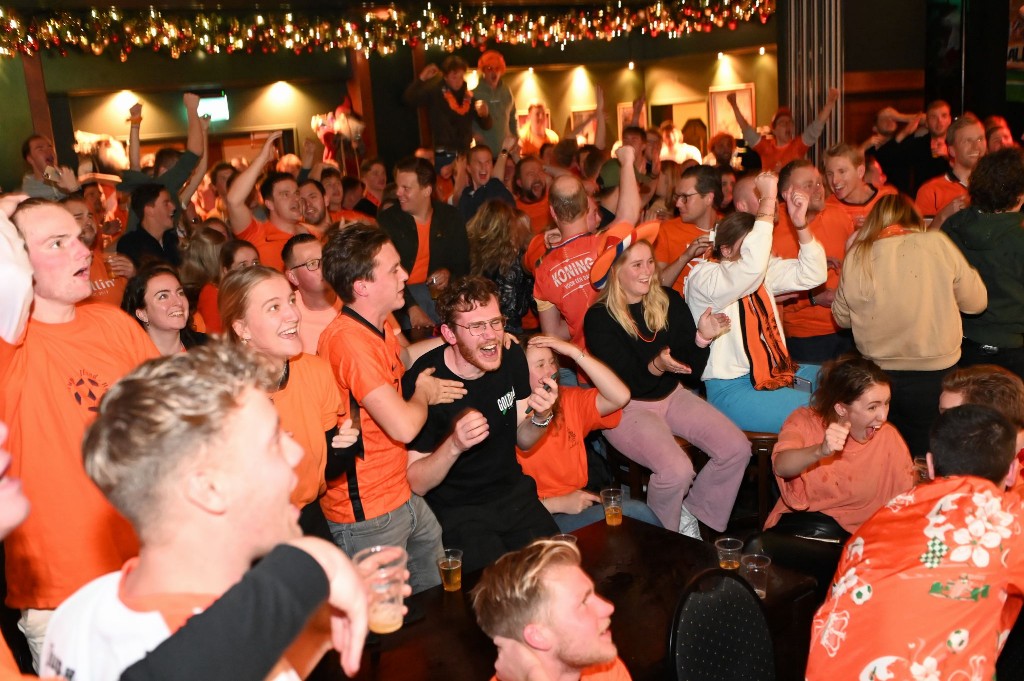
(641, 569)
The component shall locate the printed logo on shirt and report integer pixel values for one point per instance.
(87, 388)
(507, 401)
(572, 271)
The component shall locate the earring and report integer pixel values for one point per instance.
(245, 341)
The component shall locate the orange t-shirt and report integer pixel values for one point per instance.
(309, 406)
(105, 289)
(774, 157)
(535, 251)
(539, 214)
(859, 211)
(831, 227)
(207, 307)
(421, 266)
(674, 238)
(609, 671)
(314, 322)
(848, 486)
(530, 144)
(937, 193)
(268, 240)
(50, 387)
(444, 188)
(363, 359)
(558, 462)
(347, 216)
(562, 279)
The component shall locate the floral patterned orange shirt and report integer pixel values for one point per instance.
(927, 589)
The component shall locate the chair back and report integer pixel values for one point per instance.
(720, 632)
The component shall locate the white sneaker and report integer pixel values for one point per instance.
(688, 524)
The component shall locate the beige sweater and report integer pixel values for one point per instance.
(906, 315)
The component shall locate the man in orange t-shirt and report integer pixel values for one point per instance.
(844, 169)
(531, 191)
(682, 239)
(371, 502)
(965, 144)
(785, 146)
(52, 378)
(109, 272)
(190, 448)
(811, 334)
(280, 195)
(541, 610)
(316, 300)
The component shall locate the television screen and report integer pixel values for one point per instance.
(214, 105)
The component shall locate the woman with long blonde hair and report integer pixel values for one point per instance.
(200, 263)
(498, 236)
(646, 335)
(902, 290)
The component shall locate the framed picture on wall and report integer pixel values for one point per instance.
(624, 114)
(587, 134)
(720, 114)
(523, 119)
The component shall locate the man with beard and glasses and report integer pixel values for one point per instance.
(540, 608)
(464, 459)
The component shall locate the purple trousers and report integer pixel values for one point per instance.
(646, 435)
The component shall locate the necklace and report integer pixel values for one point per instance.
(460, 109)
(644, 338)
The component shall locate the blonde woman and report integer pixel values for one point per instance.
(646, 335)
(200, 263)
(902, 291)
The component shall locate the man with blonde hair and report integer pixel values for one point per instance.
(190, 449)
(541, 610)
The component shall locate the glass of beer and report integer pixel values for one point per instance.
(450, 567)
(611, 499)
(729, 549)
(383, 571)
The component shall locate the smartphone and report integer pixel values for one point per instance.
(554, 377)
(801, 384)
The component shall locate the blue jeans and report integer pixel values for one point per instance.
(411, 526)
(761, 411)
(631, 508)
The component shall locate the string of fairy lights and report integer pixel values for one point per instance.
(380, 30)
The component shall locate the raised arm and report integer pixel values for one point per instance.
(185, 196)
(402, 420)
(16, 273)
(628, 207)
(196, 132)
(237, 199)
(427, 469)
(134, 143)
(601, 136)
(817, 126)
(749, 133)
(612, 395)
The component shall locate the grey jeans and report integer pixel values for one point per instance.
(411, 526)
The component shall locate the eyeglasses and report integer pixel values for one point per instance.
(685, 197)
(311, 265)
(477, 328)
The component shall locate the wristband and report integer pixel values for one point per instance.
(135, 120)
(701, 339)
(503, 151)
(544, 423)
(654, 363)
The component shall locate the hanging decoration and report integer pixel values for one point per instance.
(381, 29)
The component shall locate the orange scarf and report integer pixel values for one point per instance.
(771, 367)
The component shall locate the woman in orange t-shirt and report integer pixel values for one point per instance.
(201, 271)
(257, 305)
(558, 461)
(837, 461)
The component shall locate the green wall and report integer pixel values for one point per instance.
(15, 123)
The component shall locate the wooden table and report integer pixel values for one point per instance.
(640, 568)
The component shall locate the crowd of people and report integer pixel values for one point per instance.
(199, 364)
